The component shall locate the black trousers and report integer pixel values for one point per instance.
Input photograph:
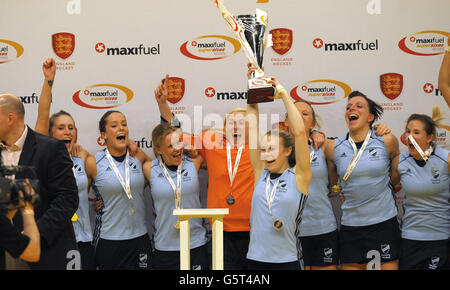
(235, 248)
(130, 254)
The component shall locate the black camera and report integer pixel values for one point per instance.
(10, 187)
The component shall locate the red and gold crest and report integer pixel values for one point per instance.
(282, 40)
(391, 85)
(175, 90)
(63, 44)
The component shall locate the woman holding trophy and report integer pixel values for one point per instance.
(281, 188)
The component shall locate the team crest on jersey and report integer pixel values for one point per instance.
(63, 44)
(313, 157)
(77, 169)
(185, 175)
(373, 154)
(435, 179)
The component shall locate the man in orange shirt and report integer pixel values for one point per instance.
(230, 172)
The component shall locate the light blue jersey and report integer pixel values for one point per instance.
(368, 193)
(82, 226)
(167, 237)
(268, 244)
(426, 208)
(318, 217)
(121, 218)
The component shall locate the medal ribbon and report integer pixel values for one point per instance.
(356, 155)
(176, 189)
(232, 171)
(271, 197)
(425, 155)
(126, 186)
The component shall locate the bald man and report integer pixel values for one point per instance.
(20, 145)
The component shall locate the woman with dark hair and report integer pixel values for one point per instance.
(174, 184)
(120, 235)
(362, 160)
(423, 171)
(280, 191)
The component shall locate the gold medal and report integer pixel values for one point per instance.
(132, 211)
(278, 224)
(74, 217)
(177, 225)
(336, 188)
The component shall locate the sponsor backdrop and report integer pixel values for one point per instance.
(111, 54)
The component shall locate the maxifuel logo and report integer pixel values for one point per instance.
(429, 88)
(9, 50)
(103, 96)
(210, 47)
(424, 43)
(359, 45)
(210, 92)
(140, 49)
(321, 92)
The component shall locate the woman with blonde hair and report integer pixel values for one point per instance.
(174, 184)
(281, 166)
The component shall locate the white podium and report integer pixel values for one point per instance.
(216, 214)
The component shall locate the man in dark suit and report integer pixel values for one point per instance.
(57, 187)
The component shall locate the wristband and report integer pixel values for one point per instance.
(447, 48)
(279, 89)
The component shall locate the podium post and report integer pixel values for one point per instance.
(216, 214)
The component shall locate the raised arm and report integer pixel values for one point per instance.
(253, 128)
(45, 99)
(444, 74)
(254, 146)
(297, 129)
